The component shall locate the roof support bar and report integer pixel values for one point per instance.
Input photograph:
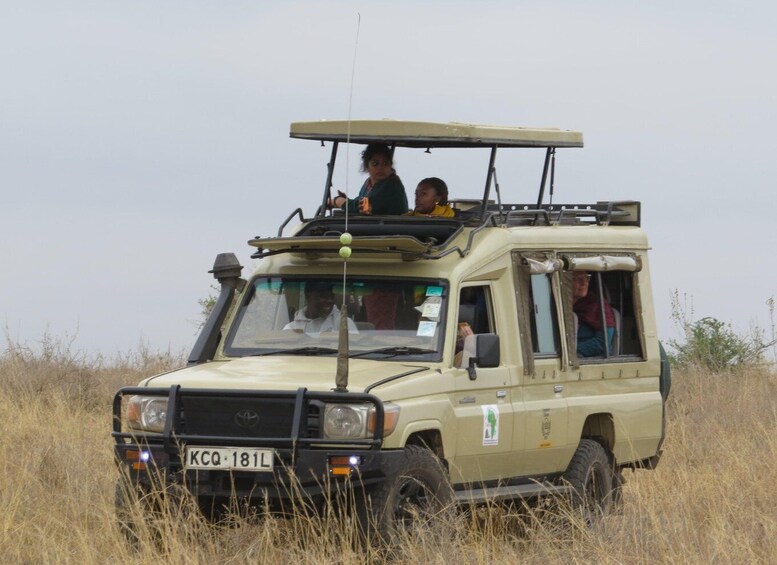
(548, 153)
(552, 173)
(487, 191)
(607, 352)
(330, 168)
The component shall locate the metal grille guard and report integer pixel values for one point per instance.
(172, 435)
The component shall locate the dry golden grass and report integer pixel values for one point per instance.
(712, 499)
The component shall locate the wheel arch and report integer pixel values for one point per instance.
(426, 434)
(600, 427)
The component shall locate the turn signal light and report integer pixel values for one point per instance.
(137, 458)
(343, 465)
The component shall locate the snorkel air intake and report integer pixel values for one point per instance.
(226, 270)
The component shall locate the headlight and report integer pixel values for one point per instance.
(357, 421)
(147, 413)
(345, 421)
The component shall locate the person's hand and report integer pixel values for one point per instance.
(339, 200)
(464, 330)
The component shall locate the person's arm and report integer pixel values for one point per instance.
(343, 202)
(593, 344)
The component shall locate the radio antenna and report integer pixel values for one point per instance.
(341, 376)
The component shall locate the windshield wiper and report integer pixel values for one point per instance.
(395, 350)
(308, 350)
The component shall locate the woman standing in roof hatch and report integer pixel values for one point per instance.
(382, 193)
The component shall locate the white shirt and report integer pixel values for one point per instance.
(314, 326)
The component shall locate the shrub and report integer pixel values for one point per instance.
(711, 344)
(206, 306)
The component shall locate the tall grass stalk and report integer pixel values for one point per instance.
(711, 500)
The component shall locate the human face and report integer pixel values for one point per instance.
(379, 167)
(579, 284)
(320, 303)
(425, 198)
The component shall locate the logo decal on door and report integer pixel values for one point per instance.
(490, 424)
(546, 423)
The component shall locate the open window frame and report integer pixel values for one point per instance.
(615, 279)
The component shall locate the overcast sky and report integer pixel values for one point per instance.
(139, 139)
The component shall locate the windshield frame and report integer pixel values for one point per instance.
(230, 350)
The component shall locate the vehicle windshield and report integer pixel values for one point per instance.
(394, 319)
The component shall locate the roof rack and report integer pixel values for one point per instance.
(413, 238)
(432, 238)
(622, 213)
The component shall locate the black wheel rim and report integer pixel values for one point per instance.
(593, 494)
(412, 502)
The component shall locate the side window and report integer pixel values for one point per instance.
(605, 317)
(475, 309)
(475, 317)
(538, 310)
(619, 291)
(544, 324)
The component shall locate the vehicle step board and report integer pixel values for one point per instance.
(506, 492)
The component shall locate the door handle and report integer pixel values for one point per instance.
(558, 388)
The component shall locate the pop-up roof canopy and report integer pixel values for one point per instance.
(434, 134)
(396, 133)
(431, 237)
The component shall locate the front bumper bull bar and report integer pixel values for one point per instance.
(302, 457)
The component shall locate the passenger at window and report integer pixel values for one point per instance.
(431, 199)
(464, 330)
(383, 192)
(320, 313)
(587, 306)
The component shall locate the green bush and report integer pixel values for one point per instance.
(206, 306)
(711, 344)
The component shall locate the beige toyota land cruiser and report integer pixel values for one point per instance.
(509, 351)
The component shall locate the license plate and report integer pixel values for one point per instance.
(229, 458)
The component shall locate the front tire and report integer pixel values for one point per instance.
(417, 494)
(129, 505)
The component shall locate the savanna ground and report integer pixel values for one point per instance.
(711, 500)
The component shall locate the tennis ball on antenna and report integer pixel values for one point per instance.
(345, 251)
(345, 238)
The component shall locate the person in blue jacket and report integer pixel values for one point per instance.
(383, 192)
(590, 330)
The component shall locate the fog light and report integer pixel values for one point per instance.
(138, 458)
(343, 465)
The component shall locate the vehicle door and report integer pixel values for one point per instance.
(482, 404)
(543, 405)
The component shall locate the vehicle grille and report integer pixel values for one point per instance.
(315, 410)
(237, 417)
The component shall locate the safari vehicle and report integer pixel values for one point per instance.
(389, 406)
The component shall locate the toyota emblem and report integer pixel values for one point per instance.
(247, 418)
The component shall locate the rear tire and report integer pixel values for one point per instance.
(590, 474)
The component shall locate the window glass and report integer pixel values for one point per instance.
(387, 318)
(544, 327)
(475, 317)
(475, 309)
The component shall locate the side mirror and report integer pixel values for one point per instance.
(482, 350)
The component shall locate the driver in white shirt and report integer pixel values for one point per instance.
(319, 314)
